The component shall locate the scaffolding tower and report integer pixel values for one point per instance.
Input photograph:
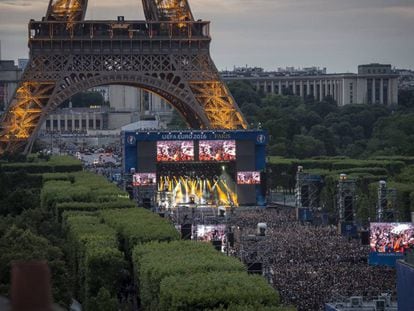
(307, 190)
(253, 251)
(346, 198)
(145, 196)
(386, 204)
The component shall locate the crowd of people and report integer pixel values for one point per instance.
(219, 150)
(311, 265)
(175, 151)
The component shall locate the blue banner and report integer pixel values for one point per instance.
(260, 137)
(384, 259)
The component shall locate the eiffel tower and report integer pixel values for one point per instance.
(167, 54)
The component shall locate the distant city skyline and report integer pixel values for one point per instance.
(335, 34)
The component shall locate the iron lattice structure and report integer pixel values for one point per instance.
(386, 204)
(346, 198)
(167, 54)
(307, 190)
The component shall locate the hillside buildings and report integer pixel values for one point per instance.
(373, 84)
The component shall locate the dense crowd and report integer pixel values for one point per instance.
(310, 265)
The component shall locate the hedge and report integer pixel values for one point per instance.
(101, 189)
(86, 187)
(20, 180)
(54, 165)
(335, 163)
(92, 206)
(58, 176)
(393, 167)
(138, 225)
(370, 170)
(95, 259)
(407, 160)
(203, 291)
(155, 261)
(54, 192)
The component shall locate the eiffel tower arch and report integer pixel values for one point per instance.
(167, 54)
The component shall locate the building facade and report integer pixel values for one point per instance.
(373, 84)
(69, 120)
(9, 77)
(126, 105)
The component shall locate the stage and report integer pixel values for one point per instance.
(220, 169)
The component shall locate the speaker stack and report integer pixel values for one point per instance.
(364, 237)
(217, 244)
(186, 231)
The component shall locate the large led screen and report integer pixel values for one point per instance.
(217, 150)
(248, 178)
(211, 232)
(144, 179)
(391, 237)
(175, 151)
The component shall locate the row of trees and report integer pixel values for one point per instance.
(99, 246)
(27, 231)
(305, 128)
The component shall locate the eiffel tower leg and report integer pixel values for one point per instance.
(211, 93)
(24, 112)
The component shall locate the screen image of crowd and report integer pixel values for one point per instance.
(248, 178)
(175, 151)
(391, 237)
(209, 233)
(311, 265)
(217, 150)
(144, 179)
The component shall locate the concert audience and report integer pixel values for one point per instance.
(310, 265)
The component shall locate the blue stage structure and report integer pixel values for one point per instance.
(245, 170)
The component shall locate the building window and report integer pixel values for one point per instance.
(269, 88)
(385, 91)
(377, 90)
(369, 91)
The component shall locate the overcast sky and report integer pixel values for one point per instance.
(337, 34)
